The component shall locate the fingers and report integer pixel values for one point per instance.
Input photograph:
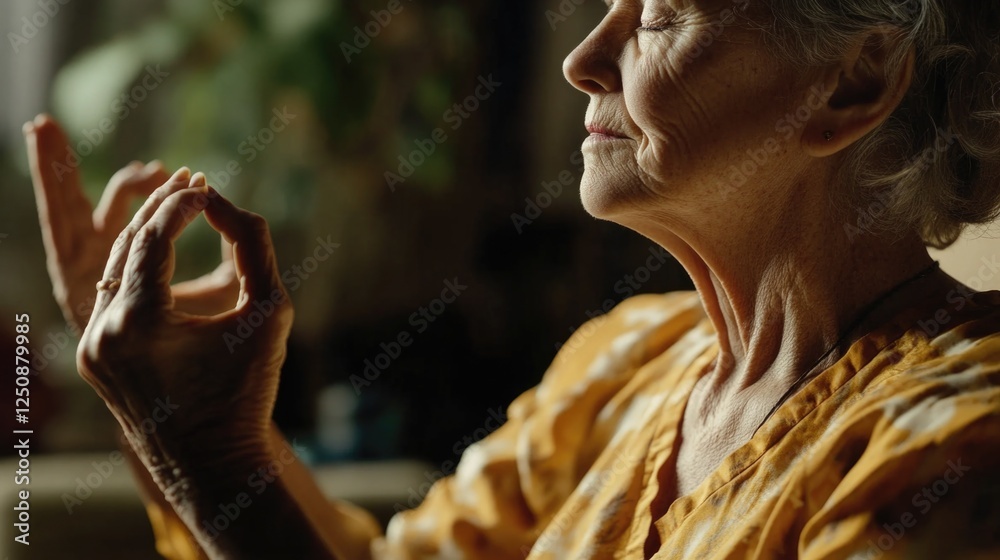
(209, 295)
(256, 265)
(115, 267)
(213, 293)
(63, 209)
(221, 281)
(143, 257)
(133, 181)
(150, 263)
(227, 251)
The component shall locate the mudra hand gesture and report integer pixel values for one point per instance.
(146, 341)
(78, 238)
(138, 348)
(139, 345)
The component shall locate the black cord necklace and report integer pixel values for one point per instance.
(857, 322)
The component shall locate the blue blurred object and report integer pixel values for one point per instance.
(350, 427)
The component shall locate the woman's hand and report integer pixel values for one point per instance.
(140, 351)
(78, 238)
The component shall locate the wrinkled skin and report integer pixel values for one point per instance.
(150, 341)
(78, 238)
(685, 112)
(151, 348)
(709, 144)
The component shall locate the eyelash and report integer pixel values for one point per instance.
(660, 23)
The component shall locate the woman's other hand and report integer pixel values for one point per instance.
(78, 238)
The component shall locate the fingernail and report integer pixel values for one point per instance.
(198, 180)
(183, 174)
(28, 128)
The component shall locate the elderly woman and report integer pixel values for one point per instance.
(828, 391)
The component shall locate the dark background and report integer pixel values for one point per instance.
(324, 177)
(226, 67)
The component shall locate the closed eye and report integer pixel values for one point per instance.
(663, 22)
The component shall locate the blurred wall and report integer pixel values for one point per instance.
(975, 259)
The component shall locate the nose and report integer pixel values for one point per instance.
(592, 67)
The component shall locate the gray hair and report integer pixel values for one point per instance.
(935, 163)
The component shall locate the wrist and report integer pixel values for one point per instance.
(240, 503)
(203, 486)
(182, 466)
(187, 442)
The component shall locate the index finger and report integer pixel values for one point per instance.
(149, 265)
(62, 206)
(114, 269)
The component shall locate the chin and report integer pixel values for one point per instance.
(599, 197)
(608, 195)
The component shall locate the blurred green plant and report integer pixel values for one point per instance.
(230, 64)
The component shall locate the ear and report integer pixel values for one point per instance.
(862, 90)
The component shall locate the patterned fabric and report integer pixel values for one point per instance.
(894, 452)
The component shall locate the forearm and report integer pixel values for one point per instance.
(235, 510)
(345, 529)
(173, 539)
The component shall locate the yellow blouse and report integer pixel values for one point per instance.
(894, 452)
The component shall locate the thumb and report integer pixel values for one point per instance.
(253, 252)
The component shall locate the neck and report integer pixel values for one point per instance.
(785, 291)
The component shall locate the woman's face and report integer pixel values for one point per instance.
(682, 94)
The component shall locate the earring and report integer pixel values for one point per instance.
(828, 135)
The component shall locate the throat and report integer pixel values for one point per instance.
(705, 438)
(716, 423)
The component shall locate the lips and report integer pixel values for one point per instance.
(599, 130)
